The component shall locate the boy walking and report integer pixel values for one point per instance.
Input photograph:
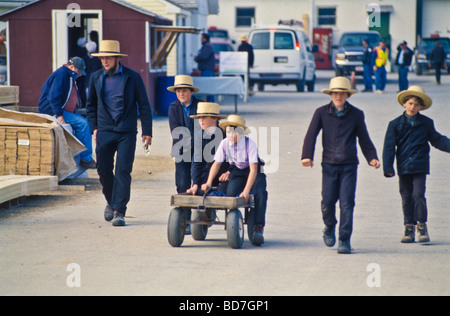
(407, 139)
(341, 123)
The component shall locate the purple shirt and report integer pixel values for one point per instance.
(239, 154)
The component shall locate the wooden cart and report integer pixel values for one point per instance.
(204, 216)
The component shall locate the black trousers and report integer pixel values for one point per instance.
(414, 203)
(238, 180)
(116, 179)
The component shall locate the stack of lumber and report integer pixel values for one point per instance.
(27, 151)
(13, 187)
(9, 95)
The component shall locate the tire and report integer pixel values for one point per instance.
(418, 70)
(301, 83)
(176, 227)
(235, 229)
(310, 84)
(198, 232)
(250, 221)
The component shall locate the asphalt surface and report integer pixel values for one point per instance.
(59, 243)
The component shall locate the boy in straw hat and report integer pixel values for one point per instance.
(116, 95)
(208, 115)
(341, 123)
(245, 172)
(182, 127)
(407, 138)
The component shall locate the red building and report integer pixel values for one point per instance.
(43, 35)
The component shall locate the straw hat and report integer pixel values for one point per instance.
(208, 109)
(243, 38)
(340, 84)
(417, 92)
(109, 48)
(183, 81)
(233, 120)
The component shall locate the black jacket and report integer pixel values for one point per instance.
(409, 144)
(339, 136)
(177, 118)
(135, 100)
(407, 57)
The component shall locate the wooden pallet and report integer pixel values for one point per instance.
(13, 187)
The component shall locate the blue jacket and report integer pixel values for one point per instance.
(339, 135)
(56, 91)
(409, 144)
(177, 118)
(135, 105)
(206, 58)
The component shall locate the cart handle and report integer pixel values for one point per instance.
(204, 196)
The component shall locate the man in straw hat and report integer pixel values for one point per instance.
(246, 175)
(407, 138)
(208, 115)
(341, 123)
(117, 96)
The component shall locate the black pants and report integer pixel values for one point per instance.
(412, 191)
(339, 183)
(116, 181)
(238, 180)
(437, 68)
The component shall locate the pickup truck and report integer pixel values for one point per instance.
(349, 56)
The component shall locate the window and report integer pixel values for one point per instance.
(261, 40)
(283, 41)
(327, 16)
(244, 16)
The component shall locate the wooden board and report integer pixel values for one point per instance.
(213, 202)
(9, 95)
(13, 187)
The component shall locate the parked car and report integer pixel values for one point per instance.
(423, 52)
(219, 35)
(283, 55)
(350, 52)
(219, 46)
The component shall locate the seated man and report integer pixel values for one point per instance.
(59, 98)
(208, 115)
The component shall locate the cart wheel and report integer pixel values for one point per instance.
(176, 227)
(250, 221)
(235, 229)
(198, 232)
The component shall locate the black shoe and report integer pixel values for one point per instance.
(109, 213)
(258, 238)
(118, 220)
(89, 165)
(329, 236)
(344, 247)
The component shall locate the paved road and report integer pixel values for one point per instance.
(48, 240)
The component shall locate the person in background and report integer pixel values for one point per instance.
(403, 61)
(206, 60)
(60, 97)
(246, 47)
(437, 60)
(381, 55)
(368, 66)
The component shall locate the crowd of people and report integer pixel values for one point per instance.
(117, 98)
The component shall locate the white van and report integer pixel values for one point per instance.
(283, 55)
